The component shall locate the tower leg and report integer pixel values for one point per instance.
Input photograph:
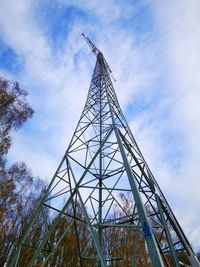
(194, 261)
(154, 253)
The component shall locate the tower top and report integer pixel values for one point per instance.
(96, 52)
(94, 49)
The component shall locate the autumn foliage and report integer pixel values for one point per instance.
(19, 191)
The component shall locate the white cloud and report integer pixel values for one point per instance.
(42, 163)
(58, 87)
(182, 67)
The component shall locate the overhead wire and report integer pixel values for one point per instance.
(48, 66)
(159, 29)
(147, 42)
(163, 30)
(143, 9)
(166, 46)
(166, 29)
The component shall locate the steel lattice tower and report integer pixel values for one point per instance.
(103, 161)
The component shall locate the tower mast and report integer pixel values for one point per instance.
(101, 168)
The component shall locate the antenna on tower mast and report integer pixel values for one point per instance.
(96, 51)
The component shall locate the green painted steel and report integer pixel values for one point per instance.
(150, 239)
(102, 167)
(174, 256)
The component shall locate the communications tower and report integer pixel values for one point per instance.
(103, 190)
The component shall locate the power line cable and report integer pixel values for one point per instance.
(161, 36)
(48, 66)
(146, 40)
(158, 52)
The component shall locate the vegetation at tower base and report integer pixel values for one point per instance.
(67, 253)
(103, 207)
(19, 194)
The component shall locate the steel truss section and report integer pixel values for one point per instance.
(103, 167)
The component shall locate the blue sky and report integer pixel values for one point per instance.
(152, 48)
